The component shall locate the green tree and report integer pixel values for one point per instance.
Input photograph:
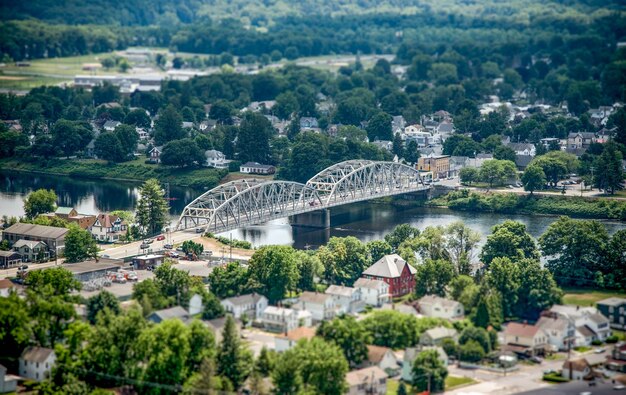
(533, 178)
(234, 360)
(479, 335)
(344, 259)
(429, 373)
(253, 140)
(128, 137)
(460, 241)
(173, 284)
(182, 153)
(509, 239)
(349, 335)
(108, 146)
(469, 175)
(503, 276)
(191, 247)
(411, 153)
(79, 245)
(275, 269)
(497, 171)
(228, 281)
(221, 111)
(400, 234)
(574, 249)
(309, 268)
(15, 325)
(286, 375)
(38, 202)
(459, 284)
(504, 153)
(266, 362)
(609, 175)
(169, 126)
(152, 208)
(471, 352)
(537, 290)
(433, 277)
(138, 117)
(379, 127)
(71, 136)
(212, 307)
(97, 303)
(398, 147)
(402, 389)
(378, 249)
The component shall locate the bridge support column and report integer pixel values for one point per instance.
(315, 219)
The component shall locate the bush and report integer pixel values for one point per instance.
(612, 339)
(471, 351)
(555, 378)
(596, 342)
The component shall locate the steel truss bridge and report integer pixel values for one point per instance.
(249, 202)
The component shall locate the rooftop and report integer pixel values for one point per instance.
(364, 376)
(37, 354)
(389, 266)
(433, 299)
(520, 329)
(340, 290)
(93, 265)
(368, 283)
(578, 365)
(612, 301)
(244, 299)
(375, 354)
(172, 312)
(313, 297)
(40, 231)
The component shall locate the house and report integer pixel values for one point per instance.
(52, 236)
(561, 332)
(308, 123)
(370, 381)
(409, 356)
(216, 159)
(285, 341)
(373, 292)
(256, 168)
(187, 125)
(8, 382)
(525, 339)
(549, 142)
(523, 149)
(196, 305)
(522, 161)
(143, 133)
(108, 228)
(320, 305)
(36, 363)
(590, 324)
(6, 287)
(617, 360)
(65, 212)
(395, 271)
(168, 314)
(615, 310)
(91, 269)
(384, 144)
(110, 126)
(436, 336)
(70, 214)
(438, 307)
(576, 369)
(478, 161)
(32, 251)
(439, 165)
(9, 259)
(382, 357)
(458, 162)
(347, 299)
(144, 261)
(252, 305)
(282, 319)
(155, 154)
(580, 140)
(445, 127)
(208, 125)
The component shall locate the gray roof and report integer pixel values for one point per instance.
(441, 332)
(585, 331)
(37, 354)
(368, 283)
(256, 165)
(340, 290)
(548, 323)
(313, 297)
(598, 318)
(111, 124)
(245, 299)
(523, 160)
(8, 254)
(445, 127)
(41, 231)
(612, 301)
(28, 243)
(172, 312)
(93, 266)
(521, 146)
(430, 299)
(389, 266)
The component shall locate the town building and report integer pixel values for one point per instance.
(320, 305)
(251, 305)
(373, 292)
(155, 154)
(216, 159)
(615, 310)
(346, 299)
(436, 336)
(36, 363)
(526, 339)
(108, 228)
(590, 324)
(523, 149)
(196, 305)
(144, 261)
(561, 332)
(439, 165)
(256, 168)
(8, 382)
(617, 360)
(576, 369)
(32, 251)
(94, 269)
(382, 357)
(282, 319)
(53, 237)
(9, 259)
(286, 341)
(168, 314)
(110, 126)
(438, 307)
(578, 142)
(395, 271)
(370, 381)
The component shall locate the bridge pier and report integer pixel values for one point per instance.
(314, 219)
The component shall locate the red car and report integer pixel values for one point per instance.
(160, 237)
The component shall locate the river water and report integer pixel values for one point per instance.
(366, 220)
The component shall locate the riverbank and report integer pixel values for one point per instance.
(136, 170)
(511, 203)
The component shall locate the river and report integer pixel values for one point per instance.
(366, 220)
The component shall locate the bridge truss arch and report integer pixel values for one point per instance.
(247, 202)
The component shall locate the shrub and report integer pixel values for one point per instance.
(471, 351)
(612, 339)
(596, 342)
(555, 378)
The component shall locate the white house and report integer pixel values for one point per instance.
(8, 382)
(522, 337)
(347, 299)
(435, 336)
(373, 292)
(321, 306)
(590, 323)
(110, 126)
(252, 305)
(195, 304)
(286, 341)
(523, 149)
(560, 330)
(216, 159)
(382, 357)
(371, 381)
(108, 228)
(31, 250)
(576, 369)
(36, 363)
(436, 306)
(281, 319)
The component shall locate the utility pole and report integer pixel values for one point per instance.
(231, 248)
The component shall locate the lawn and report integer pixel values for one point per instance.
(587, 297)
(582, 348)
(456, 381)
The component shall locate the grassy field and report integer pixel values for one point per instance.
(452, 382)
(587, 297)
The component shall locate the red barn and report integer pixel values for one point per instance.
(394, 271)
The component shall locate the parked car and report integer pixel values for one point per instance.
(199, 230)
(148, 241)
(536, 359)
(179, 249)
(599, 350)
(105, 256)
(144, 246)
(168, 246)
(160, 237)
(23, 267)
